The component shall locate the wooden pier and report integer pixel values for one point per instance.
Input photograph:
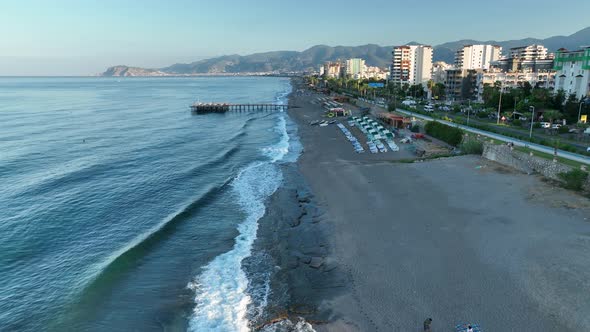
(203, 108)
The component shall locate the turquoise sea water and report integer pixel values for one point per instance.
(121, 211)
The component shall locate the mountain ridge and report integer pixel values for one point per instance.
(313, 57)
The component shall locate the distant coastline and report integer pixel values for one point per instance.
(285, 63)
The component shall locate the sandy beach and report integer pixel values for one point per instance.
(363, 243)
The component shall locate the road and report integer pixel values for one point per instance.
(517, 142)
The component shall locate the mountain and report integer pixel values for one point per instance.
(132, 71)
(312, 58)
(446, 52)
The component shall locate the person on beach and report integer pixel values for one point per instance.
(469, 328)
(427, 324)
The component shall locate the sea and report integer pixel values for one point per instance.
(122, 211)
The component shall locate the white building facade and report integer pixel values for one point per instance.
(531, 52)
(411, 64)
(477, 56)
(573, 72)
(355, 67)
(439, 71)
(510, 80)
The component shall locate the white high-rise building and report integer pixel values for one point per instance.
(573, 72)
(531, 52)
(477, 56)
(439, 71)
(355, 67)
(412, 64)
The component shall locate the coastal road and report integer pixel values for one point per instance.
(537, 147)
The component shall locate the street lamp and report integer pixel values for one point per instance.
(500, 101)
(532, 108)
(580, 109)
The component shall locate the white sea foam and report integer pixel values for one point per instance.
(220, 290)
(221, 298)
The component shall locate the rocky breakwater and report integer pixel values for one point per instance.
(292, 247)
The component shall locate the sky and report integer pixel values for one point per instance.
(84, 37)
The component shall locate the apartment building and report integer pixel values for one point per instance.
(532, 58)
(355, 67)
(439, 71)
(573, 72)
(477, 56)
(332, 69)
(411, 64)
(461, 84)
(509, 80)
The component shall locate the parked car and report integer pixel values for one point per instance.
(556, 126)
(429, 108)
(545, 125)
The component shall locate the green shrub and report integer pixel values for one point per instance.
(482, 114)
(415, 128)
(563, 130)
(574, 179)
(537, 125)
(450, 135)
(472, 146)
(517, 123)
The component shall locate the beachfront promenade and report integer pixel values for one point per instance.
(537, 147)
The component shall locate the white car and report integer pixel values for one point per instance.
(545, 125)
(556, 126)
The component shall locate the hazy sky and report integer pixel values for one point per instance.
(81, 37)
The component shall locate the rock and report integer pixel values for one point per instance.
(316, 262)
(292, 262)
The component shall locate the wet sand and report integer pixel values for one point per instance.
(457, 239)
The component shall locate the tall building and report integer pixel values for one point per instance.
(355, 67)
(573, 72)
(439, 71)
(411, 64)
(477, 56)
(531, 52)
(461, 84)
(532, 58)
(332, 69)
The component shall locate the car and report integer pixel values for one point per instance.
(556, 126)
(545, 125)
(588, 149)
(429, 108)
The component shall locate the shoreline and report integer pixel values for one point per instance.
(292, 244)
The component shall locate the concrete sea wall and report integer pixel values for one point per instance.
(527, 162)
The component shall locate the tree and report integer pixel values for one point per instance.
(416, 90)
(552, 115)
(438, 91)
(558, 99)
(491, 95)
(526, 89)
(571, 108)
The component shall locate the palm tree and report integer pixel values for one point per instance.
(552, 115)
